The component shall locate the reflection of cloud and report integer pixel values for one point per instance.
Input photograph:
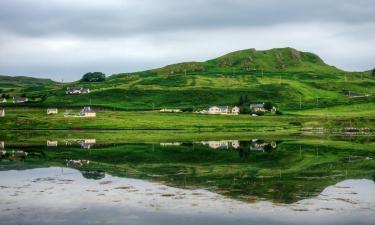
(62, 195)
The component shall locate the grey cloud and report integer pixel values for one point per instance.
(93, 18)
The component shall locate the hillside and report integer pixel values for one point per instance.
(291, 79)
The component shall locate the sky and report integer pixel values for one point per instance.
(63, 39)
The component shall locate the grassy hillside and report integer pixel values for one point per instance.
(291, 79)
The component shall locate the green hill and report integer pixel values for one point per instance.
(291, 79)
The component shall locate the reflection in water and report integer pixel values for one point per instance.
(52, 143)
(62, 196)
(87, 143)
(175, 180)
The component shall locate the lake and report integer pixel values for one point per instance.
(84, 179)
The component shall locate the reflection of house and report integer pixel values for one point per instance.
(52, 111)
(2, 145)
(224, 144)
(223, 110)
(77, 162)
(3, 153)
(3, 100)
(170, 144)
(2, 112)
(20, 99)
(87, 112)
(87, 143)
(262, 146)
(52, 143)
(77, 90)
(21, 154)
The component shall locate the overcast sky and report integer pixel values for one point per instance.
(63, 39)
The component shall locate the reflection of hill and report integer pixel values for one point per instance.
(94, 175)
(297, 170)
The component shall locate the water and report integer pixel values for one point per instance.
(221, 181)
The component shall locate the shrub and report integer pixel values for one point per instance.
(93, 77)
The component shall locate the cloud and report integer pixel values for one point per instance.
(68, 38)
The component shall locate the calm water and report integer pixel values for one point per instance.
(284, 181)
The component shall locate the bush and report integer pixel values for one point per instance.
(93, 77)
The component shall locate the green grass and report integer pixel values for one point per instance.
(285, 77)
(31, 118)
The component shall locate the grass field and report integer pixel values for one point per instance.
(290, 79)
(31, 118)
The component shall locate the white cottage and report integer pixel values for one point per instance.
(51, 111)
(2, 112)
(87, 112)
(20, 99)
(52, 143)
(218, 110)
(77, 90)
(3, 100)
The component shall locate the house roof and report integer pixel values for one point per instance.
(87, 110)
(257, 105)
(220, 107)
(20, 98)
(76, 88)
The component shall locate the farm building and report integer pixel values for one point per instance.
(261, 108)
(87, 112)
(20, 99)
(223, 110)
(51, 111)
(3, 100)
(77, 90)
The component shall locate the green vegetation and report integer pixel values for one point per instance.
(93, 77)
(288, 78)
(31, 119)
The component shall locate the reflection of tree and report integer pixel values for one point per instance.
(93, 175)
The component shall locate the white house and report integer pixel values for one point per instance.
(235, 110)
(2, 112)
(218, 110)
(171, 110)
(51, 111)
(223, 110)
(52, 143)
(20, 99)
(3, 100)
(261, 108)
(77, 90)
(2, 144)
(87, 112)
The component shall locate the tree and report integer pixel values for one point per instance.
(373, 73)
(268, 106)
(240, 101)
(93, 77)
(23, 95)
